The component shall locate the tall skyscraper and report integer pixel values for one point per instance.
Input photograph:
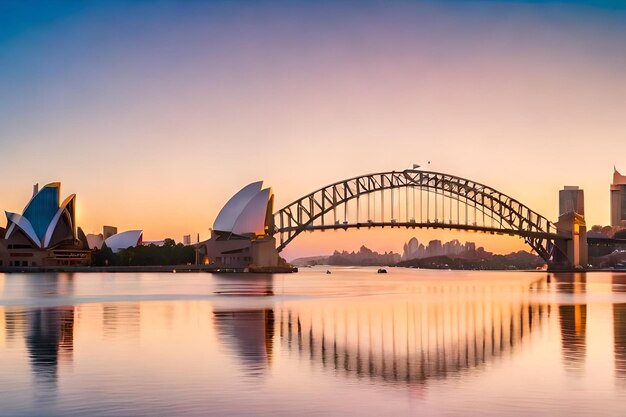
(618, 199)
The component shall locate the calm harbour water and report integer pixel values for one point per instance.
(350, 343)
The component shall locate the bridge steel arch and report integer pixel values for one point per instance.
(507, 215)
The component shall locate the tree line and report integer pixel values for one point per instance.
(168, 254)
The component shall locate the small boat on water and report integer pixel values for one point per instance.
(328, 271)
(382, 271)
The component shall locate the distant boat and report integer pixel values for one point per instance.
(382, 271)
(328, 271)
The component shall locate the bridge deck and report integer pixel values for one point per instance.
(424, 225)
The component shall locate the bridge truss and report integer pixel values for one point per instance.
(414, 199)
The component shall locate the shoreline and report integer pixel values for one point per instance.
(253, 270)
(147, 268)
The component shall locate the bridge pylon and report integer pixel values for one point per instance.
(572, 248)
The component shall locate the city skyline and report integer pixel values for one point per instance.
(154, 125)
(497, 243)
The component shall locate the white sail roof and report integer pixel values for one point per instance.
(123, 240)
(22, 223)
(246, 211)
(55, 220)
(42, 216)
(94, 241)
(252, 217)
(228, 215)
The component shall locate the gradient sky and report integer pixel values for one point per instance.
(155, 112)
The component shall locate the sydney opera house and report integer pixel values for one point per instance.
(240, 237)
(45, 234)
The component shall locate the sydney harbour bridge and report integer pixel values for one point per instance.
(415, 198)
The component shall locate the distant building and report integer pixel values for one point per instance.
(415, 250)
(571, 200)
(470, 248)
(434, 248)
(45, 234)
(618, 200)
(364, 257)
(187, 240)
(421, 251)
(108, 231)
(410, 250)
(453, 248)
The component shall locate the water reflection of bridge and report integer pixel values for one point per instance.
(437, 331)
(572, 321)
(415, 340)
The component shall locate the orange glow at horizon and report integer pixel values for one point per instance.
(171, 120)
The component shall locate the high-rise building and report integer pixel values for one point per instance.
(434, 248)
(410, 249)
(618, 200)
(187, 240)
(108, 231)
(470, 247)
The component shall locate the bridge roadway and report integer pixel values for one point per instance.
(423, 225)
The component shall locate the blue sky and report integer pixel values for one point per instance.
(142, 104)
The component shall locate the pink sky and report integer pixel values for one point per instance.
(156, 124)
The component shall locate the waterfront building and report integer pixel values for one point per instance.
(45, 234)
(618, 200)
(241, 232)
